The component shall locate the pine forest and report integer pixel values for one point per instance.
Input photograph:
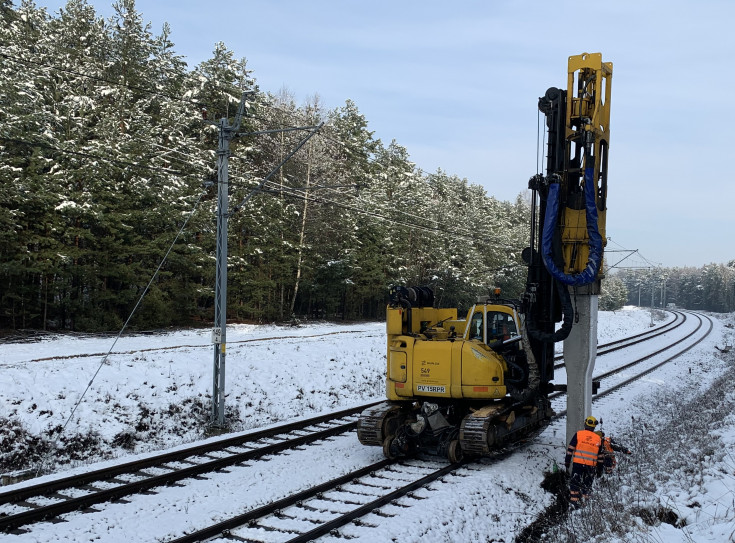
(108, 151)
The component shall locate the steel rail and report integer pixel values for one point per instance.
(223, 528)
(641, 337)
(626, 382)
(12, 521)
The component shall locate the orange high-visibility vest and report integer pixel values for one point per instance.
(587, 449)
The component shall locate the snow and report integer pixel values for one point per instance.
(155, 388)
(42, 382)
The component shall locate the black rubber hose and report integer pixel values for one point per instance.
(568, 319)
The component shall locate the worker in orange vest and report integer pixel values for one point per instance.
(582, 454)
(607, 461)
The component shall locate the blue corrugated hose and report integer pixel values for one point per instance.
(595, 256)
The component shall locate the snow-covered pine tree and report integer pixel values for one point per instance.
(27, 141)
(352, 149)
(119, 155)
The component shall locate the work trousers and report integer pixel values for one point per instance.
(580, 484)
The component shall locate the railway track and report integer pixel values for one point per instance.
(301, 516)
(314, 512)
(648, 363)
(617, 345)
(297, 521)
(42, 501)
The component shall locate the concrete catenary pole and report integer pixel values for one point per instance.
(580, 350)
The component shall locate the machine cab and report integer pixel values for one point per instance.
(492, 322)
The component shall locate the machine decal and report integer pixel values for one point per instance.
(478, 354)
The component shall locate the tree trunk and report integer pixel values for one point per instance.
(302, 234)
(45, 301)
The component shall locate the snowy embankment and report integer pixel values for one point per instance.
(153, 392)
(679, 484)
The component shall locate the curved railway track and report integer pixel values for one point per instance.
(304, 515)
(612, 346)
(648, 363)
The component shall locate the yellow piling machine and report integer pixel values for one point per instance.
(465, 386)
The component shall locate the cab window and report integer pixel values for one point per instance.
(500, 326)
(476, 326)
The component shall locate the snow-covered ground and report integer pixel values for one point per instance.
(153, 392)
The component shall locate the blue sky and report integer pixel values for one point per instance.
(457, 85)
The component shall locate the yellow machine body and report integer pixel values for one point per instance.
(589, 82)
(447, 357)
